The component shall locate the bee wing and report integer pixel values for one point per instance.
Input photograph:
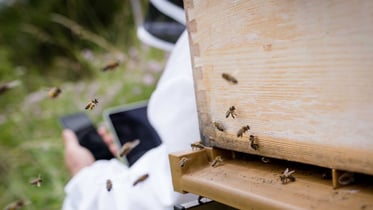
(286, 171)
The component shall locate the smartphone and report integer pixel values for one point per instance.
(128, 123)
(87, 134)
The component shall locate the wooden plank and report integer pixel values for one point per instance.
(305, 78)
(252, 184)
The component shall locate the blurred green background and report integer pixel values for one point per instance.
(62, 43)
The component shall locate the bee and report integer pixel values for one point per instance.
(231, 111)
(54, 92)
(197, 145)
(141, 179)
(242, 130)
(7, 86)
(128, 147)
(109, 185)
(36, 181)
(16, 205)
(183, 161)
(91, 104)
(218, 160)
(229, 78)
(219, 126)
(346, 178)
(265, 160)
(253, 144)
(287, 176)
(110, 66)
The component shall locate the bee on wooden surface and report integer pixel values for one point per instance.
(141, 179)
(231, 111)
(91, 104)
(219, 126)
(287, 176)
(16, 205)
(218, 160)
(265, 160)
(197, 145)
(183, 161)
(109, 185)
(253, 142)
(7, 86)
(110, 66)
(36, 181)
(229, 78)
(242, 130)
(346, 178)
(128, 147)
(54, 92)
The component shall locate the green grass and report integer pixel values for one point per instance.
(30, 135)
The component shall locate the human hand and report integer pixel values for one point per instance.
(76, 156)
(108, 139)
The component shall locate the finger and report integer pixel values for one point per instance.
(105, 135)
(69, 137)
(108, 140)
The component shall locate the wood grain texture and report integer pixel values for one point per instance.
(305, 77)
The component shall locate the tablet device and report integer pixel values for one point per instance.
(129, 123)
(87, 134)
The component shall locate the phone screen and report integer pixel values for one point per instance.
(131, 124)
(87, 135)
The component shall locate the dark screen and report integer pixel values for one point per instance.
(87, 135)
(134, 124)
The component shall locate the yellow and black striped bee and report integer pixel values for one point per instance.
(243, 130)
(16, 205)
(92, 104)
(54, 92)
(231, 111)
(287, 176)
(128, 147)
(110, 66)
(218, 160)
(253, 142)
(141, 179)
(7, 86)
(219, 126)
(229, 78)
(37, 181)
(109, 185)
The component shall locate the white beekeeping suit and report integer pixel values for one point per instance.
(172, 112)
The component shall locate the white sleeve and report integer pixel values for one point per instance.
(172, 112)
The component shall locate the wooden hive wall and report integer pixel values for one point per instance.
(305, 78)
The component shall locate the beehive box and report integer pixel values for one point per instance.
(304, 73)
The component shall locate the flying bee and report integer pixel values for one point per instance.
(7, 86)
(183, 161)
(36, 181)
(141, 179)
(109, 185)
(92, 104)
(253, 144)
(231, 111)
(265, 160)
(16, 205)
(229, 78)
(110, 66)
(197, 145)
(219, 126)
(242, 130)
(128, 147)
(346, 178)
(218, 160)
(54, 92)
(287, 176)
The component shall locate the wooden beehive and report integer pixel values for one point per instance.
(304, 72)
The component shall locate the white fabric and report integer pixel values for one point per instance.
(172, 112)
